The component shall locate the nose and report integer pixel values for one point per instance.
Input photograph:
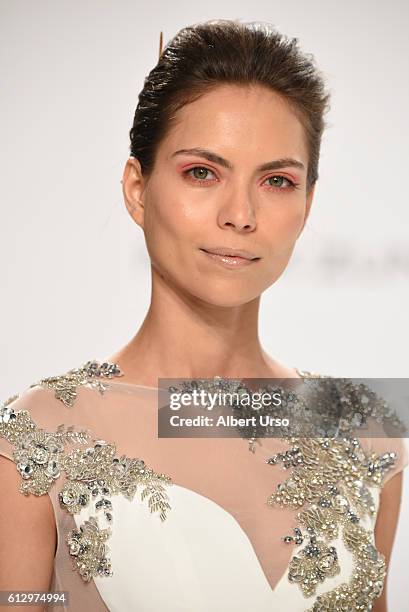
(238, 212)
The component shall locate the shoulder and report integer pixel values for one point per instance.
(91, 374)
(360, 411)
(36, 430)
(378, 421)
(37, 423)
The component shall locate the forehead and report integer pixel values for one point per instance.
(241, 121)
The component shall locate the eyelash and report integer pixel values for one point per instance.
(292, 184)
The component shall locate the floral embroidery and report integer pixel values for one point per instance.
(330, 482)
(330, 479)
(65, 385)
(87, 545)
(92, 474)
(105, 475)
(37, 453)
(334, 490)
(315, 563)
(366, 583)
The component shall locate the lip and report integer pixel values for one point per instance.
(231, 261)
(243, 254)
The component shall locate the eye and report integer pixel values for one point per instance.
(278, 180)
(200, 173)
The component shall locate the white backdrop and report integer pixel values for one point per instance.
(75, 279)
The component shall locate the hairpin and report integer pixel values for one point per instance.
(160, 44)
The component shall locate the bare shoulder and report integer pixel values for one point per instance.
(278, 369)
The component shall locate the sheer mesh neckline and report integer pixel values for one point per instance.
(116, 381)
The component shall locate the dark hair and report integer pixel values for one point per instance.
(202, 56)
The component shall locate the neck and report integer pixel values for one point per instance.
(184, 337)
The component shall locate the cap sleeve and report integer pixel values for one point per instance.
(34, 429)
(399, 446)
(384, 433)
(40, 431)
(381, 428)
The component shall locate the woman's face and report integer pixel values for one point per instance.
(236, 193)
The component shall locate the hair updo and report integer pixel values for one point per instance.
(202, 56)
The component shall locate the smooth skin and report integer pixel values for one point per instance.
(205, 315)
(28, 538)
(385, 528)
(203, 318)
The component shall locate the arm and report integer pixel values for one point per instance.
(27, 537)
(385, 528)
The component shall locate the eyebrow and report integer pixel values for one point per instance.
(275, 164)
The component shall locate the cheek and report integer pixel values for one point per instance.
(282, 224)
(173, 210)
(168, 223)
(292, 223)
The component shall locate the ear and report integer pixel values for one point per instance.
(133, 184)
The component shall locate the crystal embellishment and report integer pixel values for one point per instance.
(315, 563)
(90, 374)
(92, 475)
(330, 485)
(87, 545)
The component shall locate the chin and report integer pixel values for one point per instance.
(226, 299)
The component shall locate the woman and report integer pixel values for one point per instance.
(224, 162)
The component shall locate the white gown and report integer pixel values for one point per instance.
(218, 546)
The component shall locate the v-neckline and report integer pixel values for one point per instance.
(282, 574)
(302, 374)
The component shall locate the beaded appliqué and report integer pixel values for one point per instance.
(329, 480)
(64, 385)
(329, 484)
(93, 473)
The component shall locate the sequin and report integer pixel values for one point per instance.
(87, 546)
(315, 563)
(366, 583)
(329, 484)
(92, 475)
(65, 385)
(330, 480)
